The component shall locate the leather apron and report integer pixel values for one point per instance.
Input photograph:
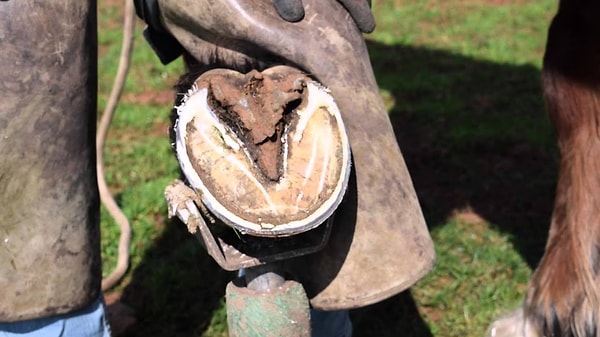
(49, 204)
(380, 244)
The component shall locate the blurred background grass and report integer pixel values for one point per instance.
(461, 81)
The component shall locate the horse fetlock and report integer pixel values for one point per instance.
(578, 320)
(562, 298)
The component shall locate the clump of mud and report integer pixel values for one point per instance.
(257, 108)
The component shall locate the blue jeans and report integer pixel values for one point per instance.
(87, 322)
(330, 323)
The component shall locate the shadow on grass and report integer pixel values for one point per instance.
(176, 288)
(474, 135)
(397, 316)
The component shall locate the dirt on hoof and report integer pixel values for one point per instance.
(255, 107)
(268, 150)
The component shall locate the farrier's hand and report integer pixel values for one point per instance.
(360, 10)
(168, 48)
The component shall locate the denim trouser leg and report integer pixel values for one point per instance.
(87, 322)
(330, 323)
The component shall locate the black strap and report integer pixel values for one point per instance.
(165, 46)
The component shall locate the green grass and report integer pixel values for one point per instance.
(461, 81)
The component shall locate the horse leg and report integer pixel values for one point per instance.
(564, 296)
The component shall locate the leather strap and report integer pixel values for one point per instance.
(165, 46)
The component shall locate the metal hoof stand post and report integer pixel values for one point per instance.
(266, 160)
(261, 302)
(267, 304)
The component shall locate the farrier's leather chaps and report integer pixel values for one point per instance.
(380, 244)
(49, 234)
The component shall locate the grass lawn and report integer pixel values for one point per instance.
(461, 80)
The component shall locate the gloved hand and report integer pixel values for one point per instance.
(168, 49)
(360, 10)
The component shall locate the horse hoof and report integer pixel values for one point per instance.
(266, 151)
(512, 325)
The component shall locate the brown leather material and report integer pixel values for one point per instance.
(49, 231)
(380, 244)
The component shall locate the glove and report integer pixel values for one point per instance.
(360, 10)
(167, 48)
